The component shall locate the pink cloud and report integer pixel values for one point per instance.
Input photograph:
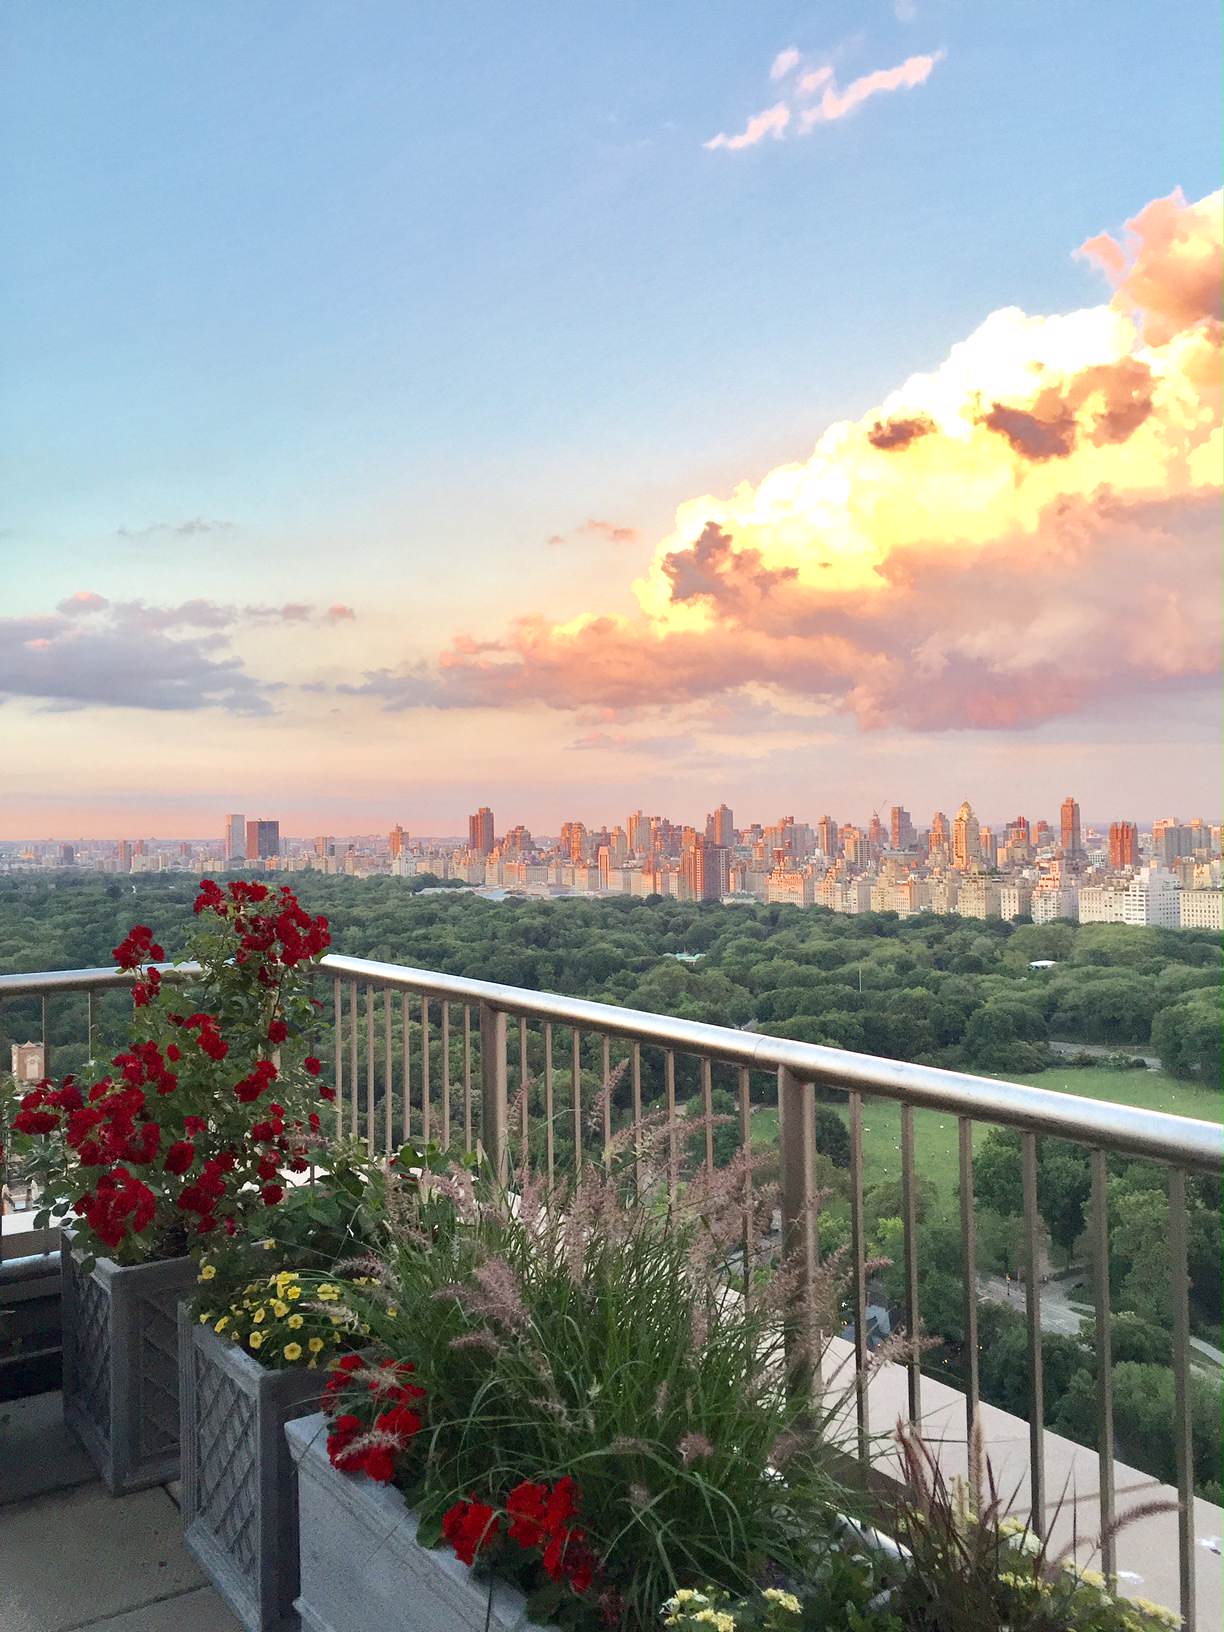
(85, 600)
(339, 613)
(772, 122)
(836, 104)
(1170, 267)
(784, 62)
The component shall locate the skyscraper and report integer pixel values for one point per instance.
(1069, 816)
(901, 828)
(826, 827)
(125, 855)
(1123, 844)
(395, 841)
(480, 831)
(703, 868)
(939, 844)
(262, 840)
(966, 843)
(720, 826)
(639, 833)
(235, 839)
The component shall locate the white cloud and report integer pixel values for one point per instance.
(784, 62)
(771, 122)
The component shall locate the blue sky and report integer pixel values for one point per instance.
(399, 291)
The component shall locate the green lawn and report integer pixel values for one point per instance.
(935, 1141)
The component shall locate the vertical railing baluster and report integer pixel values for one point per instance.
(89, 1027)
(1099, 1227)
(968, 1222)
(858, 1251)
(797, 1133)
(637, 1119)
(46, 1034)
(388, 1074)
(446, 1082)
(576, 1087)
(909, 1220)
(607, 1102)
(370, 1069)
(494, 1091)
(707, 1111)
(673, 1149)
(745, 1120)
(406, 1108)
(425, 1107)
(353, 1077)
(467, 1078)
(338, 999)
(1183, 1432)
(523, 1088)
(1032, 1309)
(550, 1155)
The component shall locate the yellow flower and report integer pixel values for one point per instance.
(784, 1600)
(258, 1316)
(315, 1344)
(269, 1246)
(336, 1320)
(328, 1292)
(392, 1312)
(279, 1309)
(1158, 1612)
(293, 1351)
(207, 1271)
(294, 1322)
(293, 1293)
(255, 1339)
(221, 1324)
(204, 1319)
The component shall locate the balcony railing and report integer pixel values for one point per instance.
(418, 1055)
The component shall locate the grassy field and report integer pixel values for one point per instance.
(935, 1141)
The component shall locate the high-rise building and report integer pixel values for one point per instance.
(1069, 819)
(939, 844)
(1123, 844)
(876, 836)
(573, 840)
(67, 855)
(235, 838)
(966, 843)
(703, 869)
(639, 833)
(901, 828)
(720, 827)
(480, 831)
(262, 840)
(826, 829)
(324, 845)
(125, 855)
(396, 840)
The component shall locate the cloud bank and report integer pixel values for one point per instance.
(93, 652)
(1026, 532)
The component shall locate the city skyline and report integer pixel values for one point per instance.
(415, 413)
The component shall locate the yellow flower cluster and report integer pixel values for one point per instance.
(270, 1322)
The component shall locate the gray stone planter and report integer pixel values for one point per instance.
(239, 1497)
(362, 1567)
(121, 1366)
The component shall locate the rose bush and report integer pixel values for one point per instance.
(190, 1134)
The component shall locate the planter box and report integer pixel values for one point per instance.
(239, 1497)
(121, 1366)
(362, 1568)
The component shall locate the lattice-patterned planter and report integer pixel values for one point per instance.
(121, 1366)
(239, 1500)
(362, 1567)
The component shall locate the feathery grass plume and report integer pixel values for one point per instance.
(694, 1447)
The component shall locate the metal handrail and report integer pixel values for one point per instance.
(1155, 1135)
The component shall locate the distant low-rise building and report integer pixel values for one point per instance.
(1201, 909)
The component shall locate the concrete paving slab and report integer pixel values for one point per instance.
(37, 1452)
(199, 1611)
(72, 1559)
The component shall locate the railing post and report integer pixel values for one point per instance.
(494, 1090)
(797, 1136)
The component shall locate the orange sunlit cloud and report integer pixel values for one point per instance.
(1026, 530)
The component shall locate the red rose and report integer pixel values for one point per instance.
(272, 1194)
(312, 1065)
(179, 1157)
(277, 1031)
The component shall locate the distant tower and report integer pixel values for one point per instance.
(480, 831)
(1123, 844)
(1069, 815)
(262, 841)
(235, 839)
(901, 828)
(966, 842)
(395, 841)
(720, 827)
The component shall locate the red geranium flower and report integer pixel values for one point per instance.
(470, 1527)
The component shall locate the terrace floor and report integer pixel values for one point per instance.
(73, 1557)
